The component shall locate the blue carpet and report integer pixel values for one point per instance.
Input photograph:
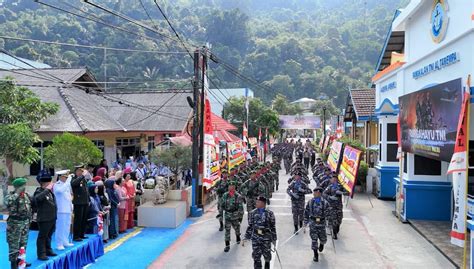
(31, 248)
(142, 249)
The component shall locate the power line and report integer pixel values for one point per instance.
(151, 20)
(89, 46)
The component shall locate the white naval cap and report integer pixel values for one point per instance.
(62, 172)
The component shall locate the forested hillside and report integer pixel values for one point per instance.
(296, 47)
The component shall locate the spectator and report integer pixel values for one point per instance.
(131, 192)
(110, 188)
(105, 205)
(94, 208)
(122, 207)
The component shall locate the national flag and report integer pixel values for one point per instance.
(245, 134)
(458, 167)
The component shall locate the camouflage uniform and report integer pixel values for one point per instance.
(333, 194)
(232, 208)
(221, 188)
(315, 214)
(18, 222)
(262, 232)
(251, 189)
(297, 190)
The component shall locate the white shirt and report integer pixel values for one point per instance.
(63, 193)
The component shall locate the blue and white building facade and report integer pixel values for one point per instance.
(437, 47)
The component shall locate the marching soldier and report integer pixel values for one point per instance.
(297, 190)
(18, 203)
(231, 207)
(251, 189)
(333, 195)
(221, 188)
(315, 214)
(262, 232)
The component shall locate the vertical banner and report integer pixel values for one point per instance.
(334, 157)
(339, 130)
(349, 168)
(458, 168)
(245, 134)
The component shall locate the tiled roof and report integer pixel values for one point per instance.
(363, 101)
(221, 124)
(83, 112)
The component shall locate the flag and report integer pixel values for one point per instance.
(339, 131)
(245, 134)
(259, 148)
(458, 168)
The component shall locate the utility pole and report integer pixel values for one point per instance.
(201, 133)
(195, 210)
(324, 121)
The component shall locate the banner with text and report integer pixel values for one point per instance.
(235, 154)
(349, 168)
(300, 122)
(428, 120)
(334, 157)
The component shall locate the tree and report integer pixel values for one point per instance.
(281, 105)
(69, 150)
(331, 110)
(177, 158)
(21, 111)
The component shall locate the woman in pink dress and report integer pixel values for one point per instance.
(131, 192)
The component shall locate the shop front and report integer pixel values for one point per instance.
(424, 92)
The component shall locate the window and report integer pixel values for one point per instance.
(100, 145)
(405, 162)
(380, 132)
(427, 166)
(392, 150)
(36, 167)
(392, 132)
(151, 143)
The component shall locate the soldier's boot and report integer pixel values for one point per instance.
(316, 255)
(221, 227)
(338, 228)
(227, 246)
(321, 247)
(267, 265)
(334, 233)
(238, 239)
(296, 229)
(257, 264)
(301, 223)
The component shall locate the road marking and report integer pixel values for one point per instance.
(122, 240)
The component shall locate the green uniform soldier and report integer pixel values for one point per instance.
(232, 208)
(221, 187)
(18, 203)
(251, 189)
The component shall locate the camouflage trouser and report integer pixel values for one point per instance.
(335, 216)
(251, 203)
(287, 166)
(297, 209)
(221, 217)
(317, 232)
(261, 247)
(17, 237)
(235, 223)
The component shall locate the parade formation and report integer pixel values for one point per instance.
(253, 184)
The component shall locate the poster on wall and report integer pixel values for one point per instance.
(235, 154)
(334, 157)
(429, 118)
(300, 122)
(349, 168)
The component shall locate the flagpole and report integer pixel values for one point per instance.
(467, 170)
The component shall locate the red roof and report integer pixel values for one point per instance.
(221, 124)
(183, 140)
(223, 135)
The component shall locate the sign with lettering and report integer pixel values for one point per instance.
(428, 120)
(389, 87)
(436, 65)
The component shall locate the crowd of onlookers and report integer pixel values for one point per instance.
(89, 200)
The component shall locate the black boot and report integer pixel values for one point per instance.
(227, 246)
(334, 233)
(321, 247)
(238, 239)
(257, 264)
(267, 265)
(296, 229)
(221, 227)
(316, 256)
(301, 224)
(338, 227)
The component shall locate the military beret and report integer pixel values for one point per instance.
(96, 178)
(90, 184)
(261, 198)
(19, 182)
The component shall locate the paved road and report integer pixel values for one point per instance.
(369, 238)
